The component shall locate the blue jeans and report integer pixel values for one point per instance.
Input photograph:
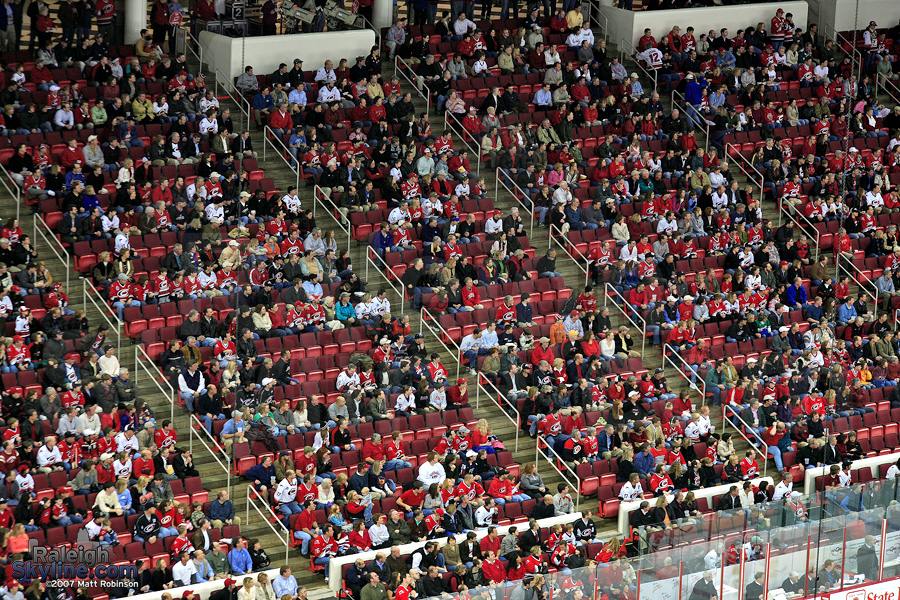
(417, 296)
(305, 539)
(120, 307)
(776, 452)
(188, 398)
(165, 532)
(472, 356)
(288, 509)
(396, 465)
(208, 422)
(514, 498)
(324, 561)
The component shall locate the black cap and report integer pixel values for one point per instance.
(297, 61)
(419, 336)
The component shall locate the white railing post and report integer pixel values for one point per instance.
(111, 320)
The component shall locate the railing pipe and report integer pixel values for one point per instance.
(142, 362)
(196, 428)
(402, 72)
(319, 195)
(568, 247)
(437, 334)
(46, 234)
(256, 500)
(13, 189)
(643, 330)
(370, 259)
(109, 317)
(495, 396)
(515, 191)
(457, 128)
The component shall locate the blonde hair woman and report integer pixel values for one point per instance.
(340, 483)
(126, 173)
(448, 272)
(248, 590)
(230, 375)
(264, 589)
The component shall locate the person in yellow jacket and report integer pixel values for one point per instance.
(142, 108)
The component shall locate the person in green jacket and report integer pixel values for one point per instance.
(715, 381)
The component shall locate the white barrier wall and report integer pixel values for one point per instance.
(230, 55)
(883, 590)
(629, 25)
(626, 508)
(337, 563)
(203, 590)
(841, 14)
(809, 482)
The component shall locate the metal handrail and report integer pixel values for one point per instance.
(143, 361)
(111, 319)
(460, 133)
(683, 105)
(538, 452)
(501, 179)
(683, 374)
(423, 322)
(403, 73)
(809, 224)
(267, 518)
(814, 9)
(592, 11)
(238, 98)
(42, 229)
(566, 247)
(855, 53)
(15, 191)
(399, 291)
(320, 196)
(862, 281)
(495, 396)
(373, 28)
(627, 48)
(727, 421)
(198, 54)
(269, 138)
(606, 289)
(740, 161)
(196, 428)
(894, 92)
